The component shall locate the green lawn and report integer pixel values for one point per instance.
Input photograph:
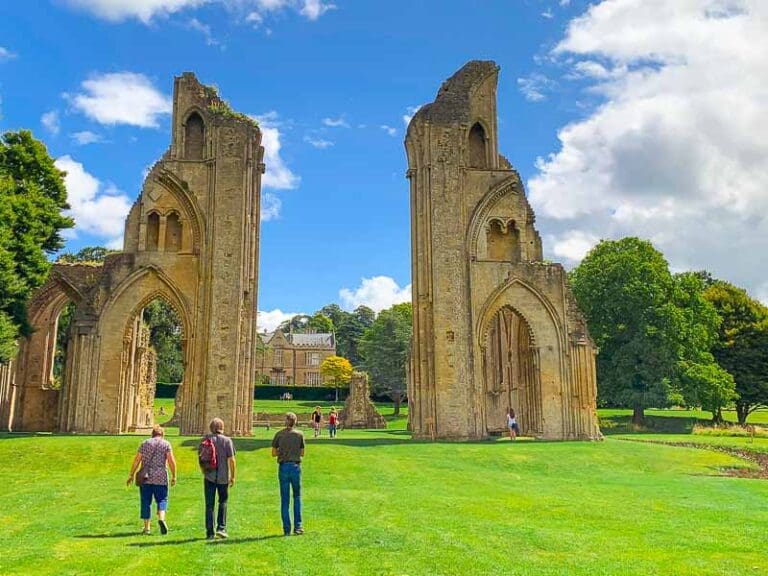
(378, 503)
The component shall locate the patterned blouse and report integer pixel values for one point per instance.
(153, 453)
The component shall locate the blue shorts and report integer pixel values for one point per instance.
(157, 491)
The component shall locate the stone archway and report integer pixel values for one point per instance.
(510, 364)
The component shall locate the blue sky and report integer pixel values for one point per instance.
(616, 115)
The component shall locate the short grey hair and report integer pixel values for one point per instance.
(290, 419)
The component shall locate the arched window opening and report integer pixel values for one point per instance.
(172, 233)
(194, 137)
(153, 231)
(152, 366)
(503, 241)
(477, 153)
(511, 373)
(63, 324)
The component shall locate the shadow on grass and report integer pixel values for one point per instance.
(166, 542)
(115, 535)
(244, 540)
(610, 425)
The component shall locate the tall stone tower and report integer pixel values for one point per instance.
(192, 240)
(494, 326)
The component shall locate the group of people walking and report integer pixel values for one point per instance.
(316, 420)
(216, 456)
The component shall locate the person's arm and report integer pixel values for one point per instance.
(274, 452)
(231, 462)
(134, 467)
(172, 465)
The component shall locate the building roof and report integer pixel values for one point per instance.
(319, 340)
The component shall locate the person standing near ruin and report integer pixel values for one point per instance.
(333, 422)
(219, 478)
(288, 448)
(152, 478)
(317, 419)
(514, 428)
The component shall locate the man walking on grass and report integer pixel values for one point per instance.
(288, 447)
(218, 465)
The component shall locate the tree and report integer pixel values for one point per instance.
(32, 199)
(350, 331)
(336, 371)
(648, 325)
(165, 338)
(742, 345)
(385, 347)
(296, 324)
(319, 322)
(87, 254)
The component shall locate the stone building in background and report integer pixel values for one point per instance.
(191, 239)
(293, 359)
(494, 325)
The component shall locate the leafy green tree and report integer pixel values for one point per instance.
(297, 324)
(699, 379)
(337, 372)
(319, 322)
(385, 347)
(32, 199)
(648, 325)
(165, 338)
(87, 254)
(350, 331)
(742, 345)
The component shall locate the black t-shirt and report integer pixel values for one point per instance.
(317, 416)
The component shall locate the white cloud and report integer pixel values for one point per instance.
(121, 98)
(85, 137)
(378, 293)
(6, 54)
(548, 14)
(278, 175)
(318, 142)
(269, 320)
(572, 245)
(534, 86)
(50, 120)
(270, 207)
(144, 10)
(336, 122)
(675, 152)
(313, 9)
(389, 130)
(205, 30)
(409, 113)
(97, 209)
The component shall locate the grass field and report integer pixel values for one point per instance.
(378, 503)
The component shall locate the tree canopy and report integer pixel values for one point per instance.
(336, 371)
(742, 344)
(32, 201)
(385, 348)
(654, 330)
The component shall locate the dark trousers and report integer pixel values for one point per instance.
(210, 495)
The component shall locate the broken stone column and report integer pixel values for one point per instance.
(359, 411)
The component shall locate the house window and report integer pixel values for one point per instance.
(313, 379)
(313, 358)
(277, 378)
(277, 356)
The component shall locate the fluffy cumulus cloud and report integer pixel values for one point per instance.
(97, 209)
(121, 98)
(675, 150)
(85, 137)
(378, 293)
(50, 121)
(269, 320)
(277, 175)
(147, 10)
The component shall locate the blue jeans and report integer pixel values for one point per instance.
(147, 492)
(332, 430)
(289, 474)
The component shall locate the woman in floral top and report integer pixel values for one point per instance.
(153, 455)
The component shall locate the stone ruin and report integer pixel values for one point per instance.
(192, 240)
(359, 411)
(494, 325)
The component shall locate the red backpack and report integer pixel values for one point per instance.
(206, 454)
